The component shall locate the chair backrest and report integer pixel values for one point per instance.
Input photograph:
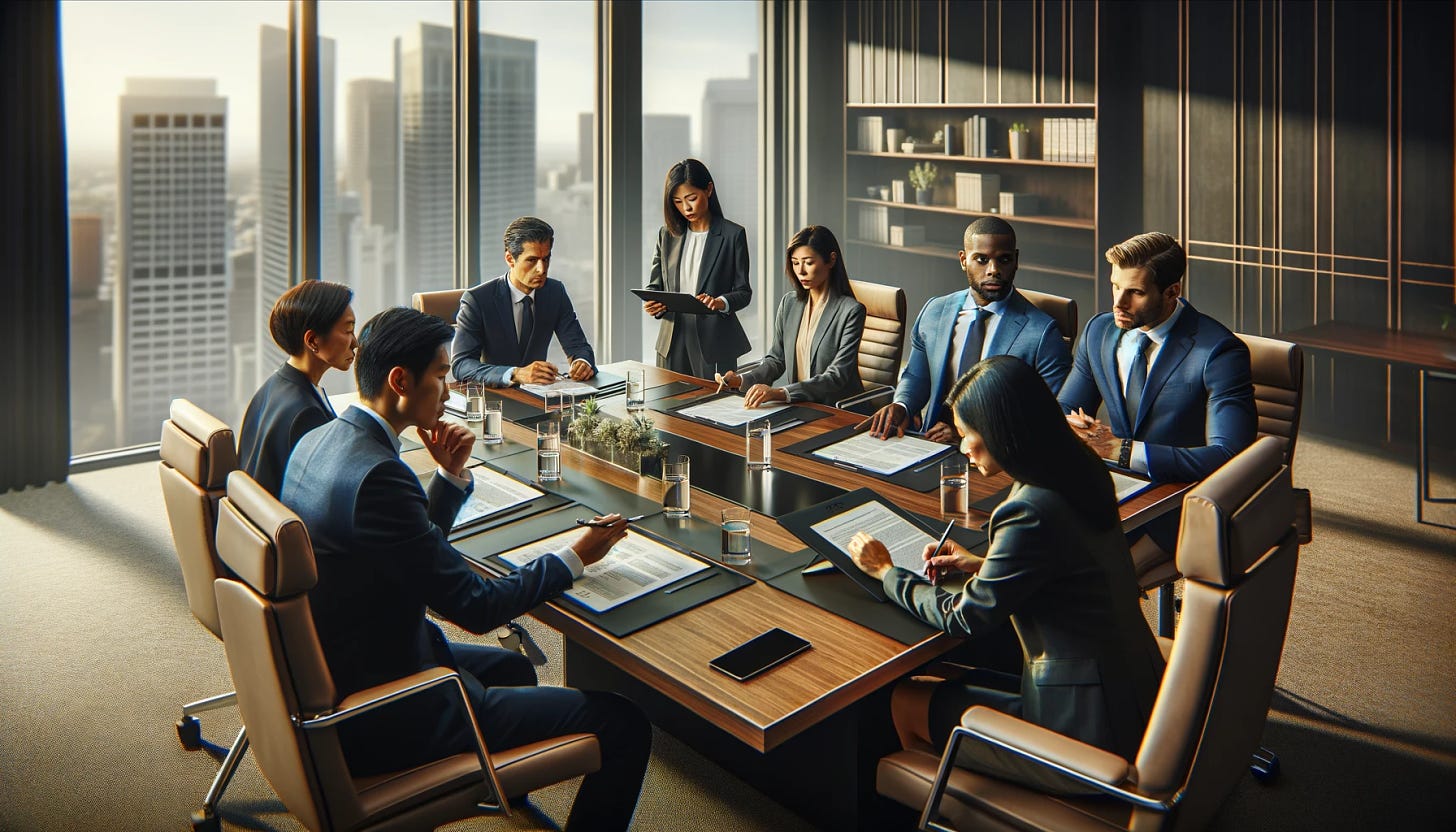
(1278, 371)
(273, 653)
(1062, 310)
(1237, 551)
(444, 304)
(198, 453)
(883, 342)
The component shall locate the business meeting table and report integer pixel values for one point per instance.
(809, 731)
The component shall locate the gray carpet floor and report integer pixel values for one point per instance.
(99, 651)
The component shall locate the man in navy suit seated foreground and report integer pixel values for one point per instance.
(383, 560)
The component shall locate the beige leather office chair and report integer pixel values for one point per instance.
(1238, 549)
(1278, 374)
(881, 346)
(289, 703)
(198, 453)
(444, 304)
(1062, 310)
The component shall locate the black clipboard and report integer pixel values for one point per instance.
(679, 302)
(801, 523)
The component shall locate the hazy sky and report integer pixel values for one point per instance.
(104, 42)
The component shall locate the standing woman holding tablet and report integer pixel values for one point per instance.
(314, 323)
(703, 254)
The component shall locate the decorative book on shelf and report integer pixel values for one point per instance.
(977, 191)
(1013, 204)
(1069, 139)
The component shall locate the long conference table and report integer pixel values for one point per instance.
(809, 731)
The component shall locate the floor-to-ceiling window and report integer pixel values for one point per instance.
(172, 124)
(700, 99)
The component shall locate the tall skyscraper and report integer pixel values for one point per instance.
(87, 255)
(585, 140)
(425, 67)
(730, 150)
(172, 269)
(274, 275)
(373, 131)
(507, 136)
(666, 139)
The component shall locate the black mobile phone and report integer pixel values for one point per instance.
(759, 653)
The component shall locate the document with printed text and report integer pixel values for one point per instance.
(1128, 487)
(905, 540)
(635, 566)
(729, 411)
(566, 385)
(494, 492)
(882, 456)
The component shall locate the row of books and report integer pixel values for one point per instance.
(1069, 139)
(874, 224)
(870, 134)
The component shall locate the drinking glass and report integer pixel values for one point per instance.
(474, 402)
(736, 524)
(636, 390)
(548, 450)
(494, 415)
(676, 488)
(556, 401)
(759, 450)
(954, 495)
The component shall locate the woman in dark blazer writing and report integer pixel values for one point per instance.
(816, 330)
(701, 253)
(1057, 566)
(314, 323)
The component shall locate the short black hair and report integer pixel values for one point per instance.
(694, 173)
(823, 243)
(1009, 404)
(524, 230)
(312, 304)
(397, 337)
(1155, 251)
(988, 225)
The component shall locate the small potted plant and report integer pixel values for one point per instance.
(1018, 139)
(922, 179)
(584, 426)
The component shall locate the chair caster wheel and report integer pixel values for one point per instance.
(204, 821)
(189, 732)
(1265, 766)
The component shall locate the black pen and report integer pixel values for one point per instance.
(937, 458)
(693, 582)
(932, 573)
(581, 521)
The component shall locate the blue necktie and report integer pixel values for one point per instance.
(1137, 378)
(528, 323)
(971, 349)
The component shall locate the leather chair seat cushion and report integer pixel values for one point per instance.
(975, 801)
(526, 768)
(389, 794)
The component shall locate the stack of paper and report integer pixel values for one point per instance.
(1069, 139)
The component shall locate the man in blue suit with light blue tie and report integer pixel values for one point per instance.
(504, 326)
(1180, 399)
(955, 331)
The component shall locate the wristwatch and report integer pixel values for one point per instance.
(1124, 455)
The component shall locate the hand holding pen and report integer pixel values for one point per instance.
(933, 572)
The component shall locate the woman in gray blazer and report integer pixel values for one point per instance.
(1057, 566)
(816, 330)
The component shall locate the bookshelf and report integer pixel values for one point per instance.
(915, 69)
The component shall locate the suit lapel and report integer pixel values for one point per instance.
(1170, 355)
(505, 315)
(1117, 400)
(833, 309)
(1013, 320)
(711, 249)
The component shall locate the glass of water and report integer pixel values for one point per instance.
(494, 415)
(736, 524)
(636, 390)
(676, 488)
(759, 450)
(548, 450)
(954, 494)
(474, 402)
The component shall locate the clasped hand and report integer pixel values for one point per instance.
(1096, 434)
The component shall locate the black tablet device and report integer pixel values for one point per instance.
(759, 653)
(680, 302)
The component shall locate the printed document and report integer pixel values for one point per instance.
(729, 411)
(882, 456)
(493, 492)
(566, 385)
(905, 540)
(633, 568)
(1128, 487)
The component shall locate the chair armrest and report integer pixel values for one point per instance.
(368, 699)
(1086, 764)
(879, 391)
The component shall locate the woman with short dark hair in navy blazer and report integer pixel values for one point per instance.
(1057, 566)
(701, 253)
(817, 330)
(314, 323)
